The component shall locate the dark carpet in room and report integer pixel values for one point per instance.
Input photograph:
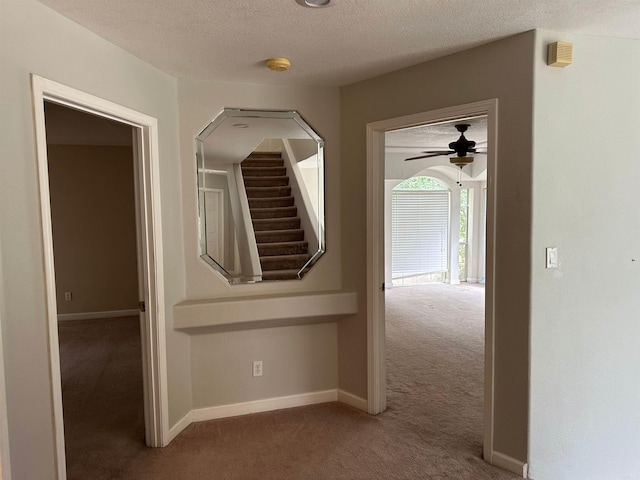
(431, 430)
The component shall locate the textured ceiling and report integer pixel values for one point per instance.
(346, 42)
(436, 136)
(410, 142)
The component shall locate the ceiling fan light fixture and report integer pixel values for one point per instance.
(461, 161)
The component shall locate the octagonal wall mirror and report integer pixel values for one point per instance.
(260, 195)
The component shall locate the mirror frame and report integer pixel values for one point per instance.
(200, 139)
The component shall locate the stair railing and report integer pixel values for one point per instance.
(308, 221)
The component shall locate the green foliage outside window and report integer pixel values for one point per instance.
(420, 183)
(464, 223)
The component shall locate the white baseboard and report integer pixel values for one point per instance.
(177, 429)
(91, 315)
(354, 401)
(256, 406)
(510, 464)
(266, 405)
(472, 280)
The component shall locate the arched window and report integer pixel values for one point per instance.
(421, 183)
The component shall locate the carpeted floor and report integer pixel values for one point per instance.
(431, 430)
(435, 367)
(101, 368)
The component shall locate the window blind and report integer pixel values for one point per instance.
(420, 232)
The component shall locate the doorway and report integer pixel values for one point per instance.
(149, 254)
(5, 467)
(377, 395)
(93, 212)
(434, 292)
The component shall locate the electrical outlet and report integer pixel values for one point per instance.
(257, 368)
(67, 296)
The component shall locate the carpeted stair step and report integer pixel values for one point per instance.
(283, 262)
(263, 160)
(263, 171)
(273, 202)
(280, 240)
(258, 154)
(280, 274)
(281, 181)
(274, 236)
(287, 223)
(283, 248)
(266, 192)
(277, 212)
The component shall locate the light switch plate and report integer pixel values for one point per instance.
(552, 257)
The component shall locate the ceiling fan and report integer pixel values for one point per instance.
(460, 148)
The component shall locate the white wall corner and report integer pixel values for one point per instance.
(266, 405)
(178, 428)
(510, 464)
(353, 400)
(259, 406)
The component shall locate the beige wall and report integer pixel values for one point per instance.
(500, 70)
(296, 359)
(585, 328)
(200, 102)
(67, 126)
(299, 358)
(34, 39)
(94, 229)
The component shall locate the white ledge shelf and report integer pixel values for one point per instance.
(319, 307)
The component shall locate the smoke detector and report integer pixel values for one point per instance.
(279, 64)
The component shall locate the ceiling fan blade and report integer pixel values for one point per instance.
(439, 152)
(432, 148)
(432, 154)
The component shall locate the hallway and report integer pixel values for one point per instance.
(431, 430)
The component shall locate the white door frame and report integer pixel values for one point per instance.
(149, 226)
(5, 458)
(377, 389)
